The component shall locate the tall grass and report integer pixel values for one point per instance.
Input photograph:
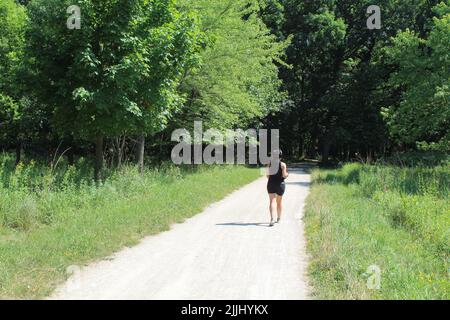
(50, 220)
(396, 218)
(34, 194)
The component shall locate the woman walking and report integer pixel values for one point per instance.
(276, 186)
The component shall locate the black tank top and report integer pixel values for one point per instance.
(278, 177)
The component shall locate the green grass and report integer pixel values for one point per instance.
(50, 221)
(394, 218)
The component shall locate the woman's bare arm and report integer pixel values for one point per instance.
(284, 169)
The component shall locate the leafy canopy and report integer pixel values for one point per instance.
(424, 73)
(119, 73)
(237, 82)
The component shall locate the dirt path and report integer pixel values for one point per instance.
(226, 252)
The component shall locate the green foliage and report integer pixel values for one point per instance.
(12, 26)
(424, 111)
(310, 68)
(118, 73)
(273, 14)
(339, 81)
(8, 117)
(237, 82)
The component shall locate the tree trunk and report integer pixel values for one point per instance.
(369, 156)
(119, 158)
(140, 150)
(299, 151)
(120, 146)
(326, 150)
(98, 158)
(70, 151)
(71, 157)
(18, 152)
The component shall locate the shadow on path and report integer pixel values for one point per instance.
(303, 184)
(242, 224)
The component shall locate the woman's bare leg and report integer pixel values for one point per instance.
(272, 204)
(279, 207)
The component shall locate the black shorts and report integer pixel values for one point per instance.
(279, 189)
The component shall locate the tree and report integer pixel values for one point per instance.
(116, 75)
(273, 14)
(316, 55)
(12, 23)
(423, 113)
(338, 81)
(12, 26)
(237, 82)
